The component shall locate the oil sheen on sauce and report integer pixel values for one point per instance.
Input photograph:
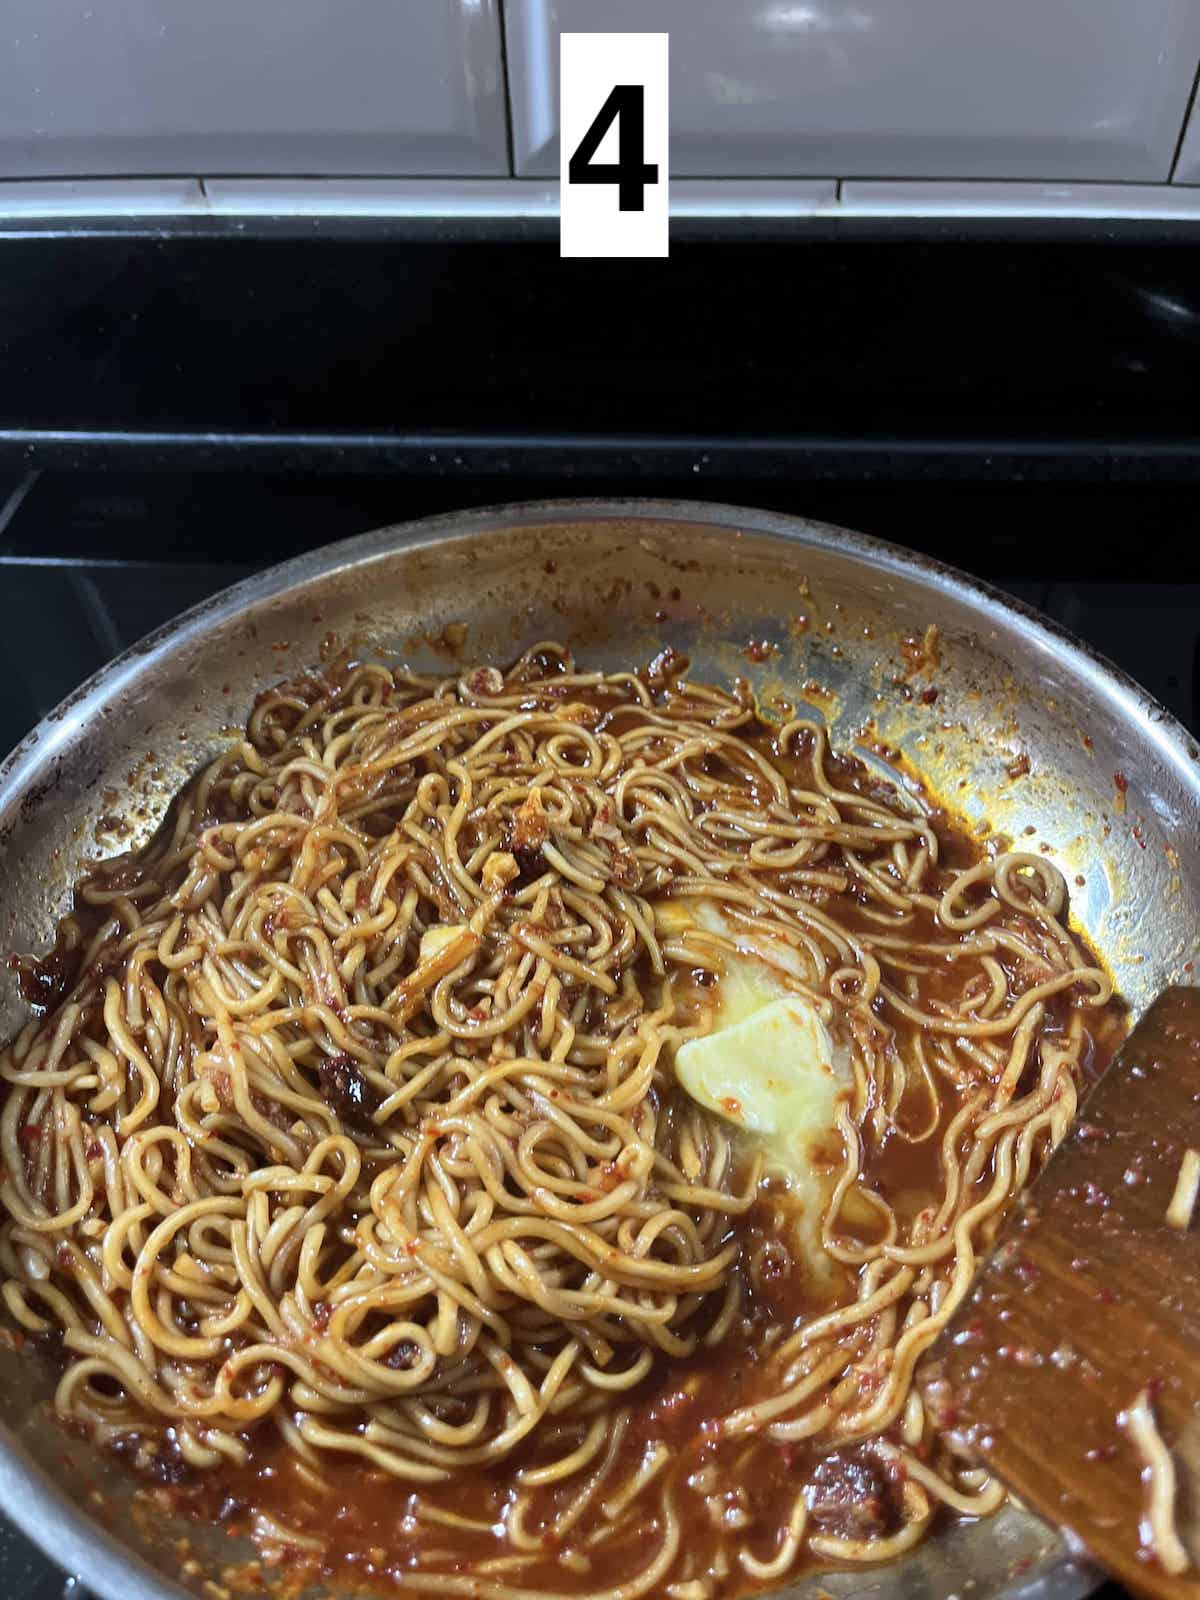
(372, 1527)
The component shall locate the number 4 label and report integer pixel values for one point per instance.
(613, 144)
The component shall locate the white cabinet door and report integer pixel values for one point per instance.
(888, 88)
(91, 87)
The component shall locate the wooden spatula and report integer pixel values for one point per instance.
(1084, 1325)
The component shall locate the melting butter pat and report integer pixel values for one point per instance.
(757, 971)
(768, 1065)
(771, 1072)
(754, 979)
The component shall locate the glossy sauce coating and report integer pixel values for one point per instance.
(730, 1492)
(372, 1527)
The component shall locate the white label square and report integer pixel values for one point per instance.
(613, 144)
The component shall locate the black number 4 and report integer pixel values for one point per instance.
(626, 106)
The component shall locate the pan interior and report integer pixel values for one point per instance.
(1014, 727)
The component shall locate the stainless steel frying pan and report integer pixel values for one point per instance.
(618, 580)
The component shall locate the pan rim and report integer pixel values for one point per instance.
(69, 1535)
(1174, 741)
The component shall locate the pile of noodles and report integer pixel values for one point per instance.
(280, 1159)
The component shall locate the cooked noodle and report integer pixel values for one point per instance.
(1159, 1534)
(1182, 1203)
(353, 1134)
